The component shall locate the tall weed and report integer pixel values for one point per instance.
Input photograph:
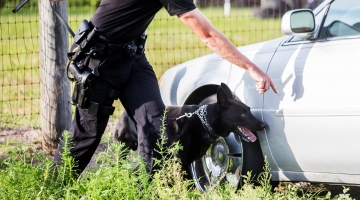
(119, 174)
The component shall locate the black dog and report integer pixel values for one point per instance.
(197, 126)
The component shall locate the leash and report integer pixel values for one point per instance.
(201, 113)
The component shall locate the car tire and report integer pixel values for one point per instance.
(253, 159)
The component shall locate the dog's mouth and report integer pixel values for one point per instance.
(245, 134)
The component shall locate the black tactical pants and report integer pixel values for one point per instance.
(140, 96)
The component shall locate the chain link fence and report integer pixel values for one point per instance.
(169, 43)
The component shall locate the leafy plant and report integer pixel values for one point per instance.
(121, 174)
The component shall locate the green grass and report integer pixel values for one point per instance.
(169, 43)
(26, 174)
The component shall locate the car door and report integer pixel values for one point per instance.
(314, 122)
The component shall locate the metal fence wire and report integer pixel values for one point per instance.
(169, 43)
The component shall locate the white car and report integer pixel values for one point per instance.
(313, 131)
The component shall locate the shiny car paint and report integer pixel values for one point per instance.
(313, 128)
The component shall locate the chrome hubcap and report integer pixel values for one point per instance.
(216, 159)
(224, 157)
(218, 154)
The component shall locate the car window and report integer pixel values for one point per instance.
(343, 19)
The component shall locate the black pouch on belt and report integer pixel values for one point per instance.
(80, 95)
(96, 55)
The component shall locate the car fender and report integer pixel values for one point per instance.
(179, 82)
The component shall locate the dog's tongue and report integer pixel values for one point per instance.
(246, 134)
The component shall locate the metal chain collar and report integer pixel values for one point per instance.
(201, 113)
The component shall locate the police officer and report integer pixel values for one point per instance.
(124, 68)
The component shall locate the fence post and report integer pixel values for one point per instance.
(55, 109)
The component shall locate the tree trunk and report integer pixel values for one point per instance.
(55, 112)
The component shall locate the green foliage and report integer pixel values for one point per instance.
(118, 174)
(169, 182)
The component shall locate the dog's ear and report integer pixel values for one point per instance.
(222, 99)
(227, 90)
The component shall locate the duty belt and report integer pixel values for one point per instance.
(110, 49)
(128, 49)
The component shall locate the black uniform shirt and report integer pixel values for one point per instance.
(125, 20)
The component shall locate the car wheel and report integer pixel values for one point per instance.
(228, 158)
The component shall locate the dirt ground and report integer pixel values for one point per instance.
(31, 136)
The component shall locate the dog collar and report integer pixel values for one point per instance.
(201, 113)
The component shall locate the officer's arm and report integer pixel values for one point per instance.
(220, 45)
(213, 38)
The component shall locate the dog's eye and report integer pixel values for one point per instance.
(243, 115)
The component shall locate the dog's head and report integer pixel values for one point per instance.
(236, 116)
